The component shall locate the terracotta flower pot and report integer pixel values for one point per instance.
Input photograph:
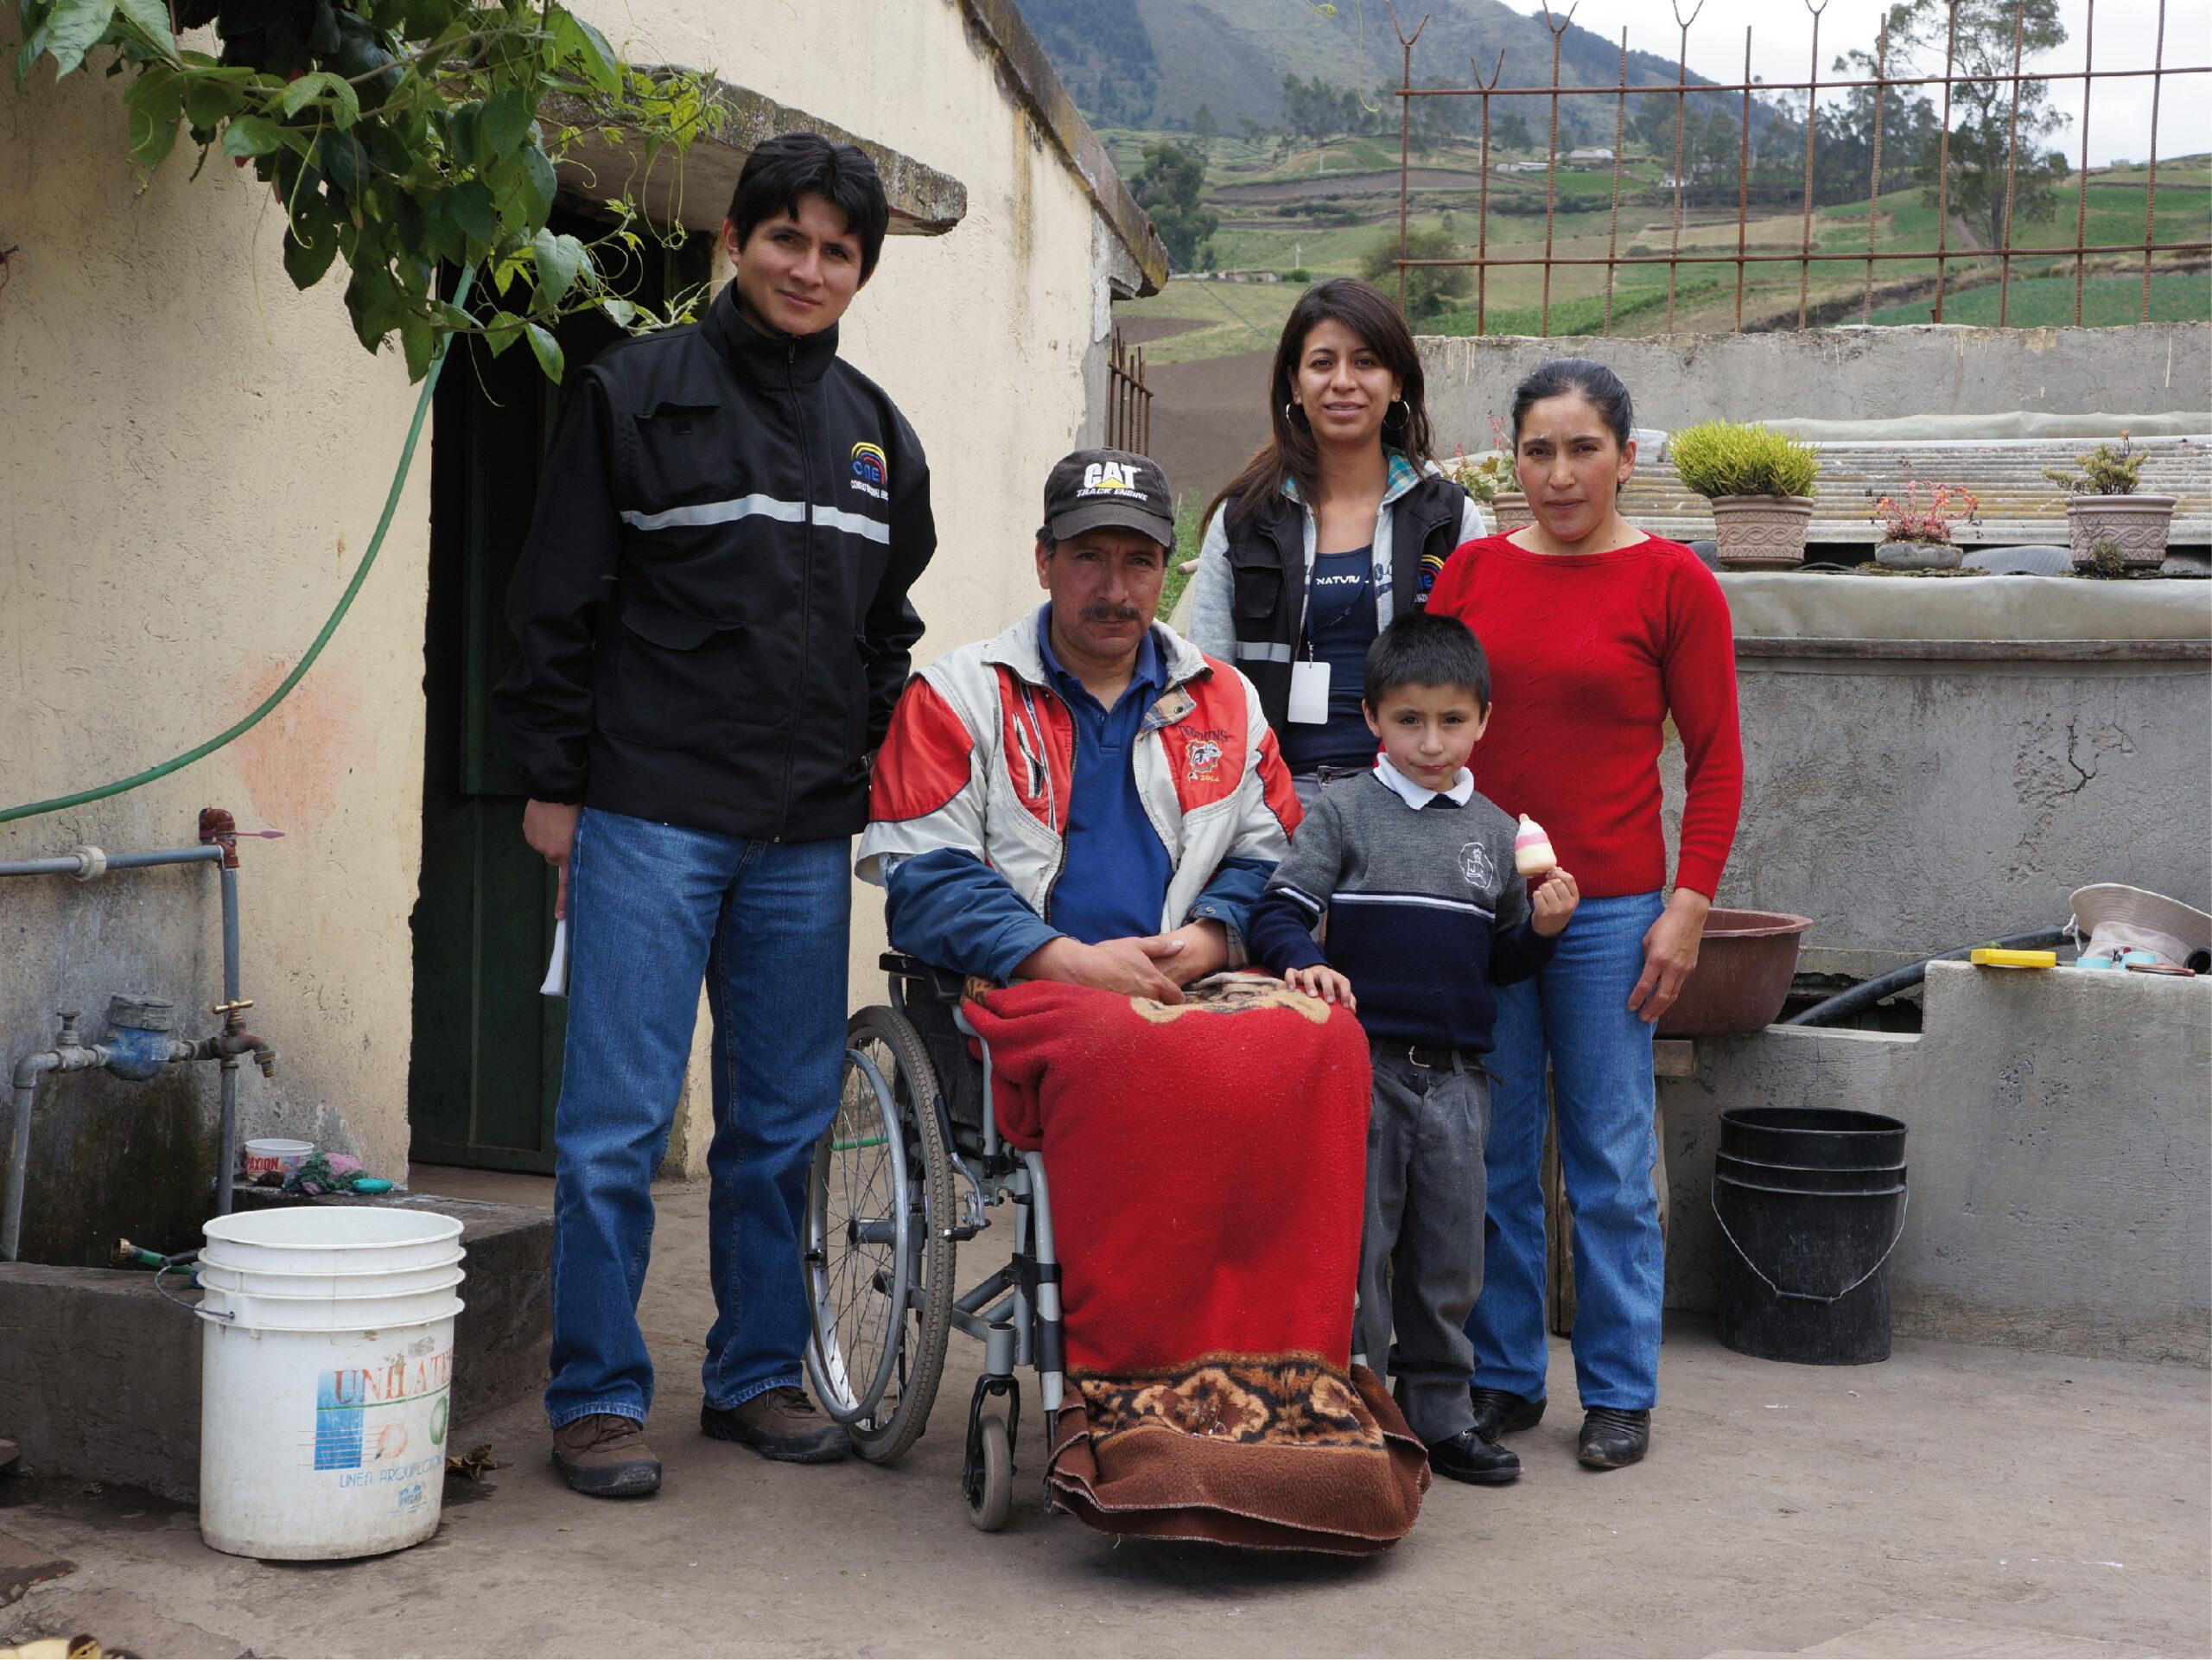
(1509, 508)
(1762, 533)
(2138, 524)
(1918, 555)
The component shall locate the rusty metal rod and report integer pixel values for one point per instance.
(1812, 126)
(1874, 173)
(1620, 144)
(1681, 113)
(2012, 160)
(1793, 257)
(1551, 171)
(1743, 180)
(2151, 190)
(2081, 205)
(1799, 86)
(1482, 228)
(1942, 161)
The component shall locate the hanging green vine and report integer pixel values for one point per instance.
(398, 135)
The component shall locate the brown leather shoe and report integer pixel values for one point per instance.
(605, 1456)
(781, 1424)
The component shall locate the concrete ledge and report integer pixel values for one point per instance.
(100, 1376)
(2060, 1156)
(1870, 610)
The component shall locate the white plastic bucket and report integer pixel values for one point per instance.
(268, 1154)
(326, 1379)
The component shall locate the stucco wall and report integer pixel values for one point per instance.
(1843, 374)
(196, 453)
(1932, 762)
(2059, 1155)
(195, 456)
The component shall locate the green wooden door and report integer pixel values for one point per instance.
(485, 1072)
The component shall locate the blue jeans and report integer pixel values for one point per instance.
(1576, 1011)
(652, 911)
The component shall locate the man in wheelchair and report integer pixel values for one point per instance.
(1088, 798)
(1087, 804)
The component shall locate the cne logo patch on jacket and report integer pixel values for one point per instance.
(871, 471)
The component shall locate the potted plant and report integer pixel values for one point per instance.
(2103, 504)
(1490, 478)
(1759, 484)
(1916, 535)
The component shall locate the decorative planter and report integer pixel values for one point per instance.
(1918, 556)
(1510, 509)
(1762, 533)
(2137, 524)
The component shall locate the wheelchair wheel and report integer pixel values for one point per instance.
(879, 1267)
(990, 1497)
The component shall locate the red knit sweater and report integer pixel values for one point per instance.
(1589, 654)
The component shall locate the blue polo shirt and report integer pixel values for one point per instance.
(1113, 878)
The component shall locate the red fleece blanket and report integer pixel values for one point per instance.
(1207, 1164)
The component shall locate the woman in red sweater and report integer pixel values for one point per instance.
(1598, 635)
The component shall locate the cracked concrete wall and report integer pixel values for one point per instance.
(1962, 785)
(2059, 1153)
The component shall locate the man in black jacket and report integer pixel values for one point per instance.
(713, 616)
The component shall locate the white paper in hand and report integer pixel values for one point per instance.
(557, 971)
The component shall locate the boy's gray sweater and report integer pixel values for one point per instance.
(1426, 911)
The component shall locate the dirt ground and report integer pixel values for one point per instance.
(1207, 418)
(1954, 1501)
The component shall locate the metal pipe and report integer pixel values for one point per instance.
(226, 1156)
(28, 1071)
(89, 863)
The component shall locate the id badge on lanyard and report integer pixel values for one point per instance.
(1309, 693)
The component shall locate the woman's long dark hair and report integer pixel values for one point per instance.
(1291, 453)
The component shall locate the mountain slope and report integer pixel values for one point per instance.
(1153, 62)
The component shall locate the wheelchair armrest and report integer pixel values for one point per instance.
(926, 979)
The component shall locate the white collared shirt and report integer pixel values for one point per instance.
(1418, 796)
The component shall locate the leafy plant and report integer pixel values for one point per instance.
(2103, 472)
(1484, 477)
(397, 134)
(2106, 559)
(1913, 520)
(1729, 458)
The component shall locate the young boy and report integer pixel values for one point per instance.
(1426, 913)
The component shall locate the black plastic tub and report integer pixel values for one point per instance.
(1813, 1138)
(1817, 1179)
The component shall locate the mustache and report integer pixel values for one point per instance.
(1102, 612)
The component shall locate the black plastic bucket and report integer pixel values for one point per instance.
(1828, 1138)
(1799, 1179)
(1811, 1203)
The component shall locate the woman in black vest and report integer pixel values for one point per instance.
(1337, 524)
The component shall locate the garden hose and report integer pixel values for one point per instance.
(32, 809)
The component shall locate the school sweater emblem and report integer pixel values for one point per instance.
(1477, 866)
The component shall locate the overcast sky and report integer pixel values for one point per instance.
(2126, 32)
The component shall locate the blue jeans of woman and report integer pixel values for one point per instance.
(1575, 1014)
(653, 911)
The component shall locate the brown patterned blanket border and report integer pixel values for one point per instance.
(1269, 1453)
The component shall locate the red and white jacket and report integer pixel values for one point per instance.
(980, 757)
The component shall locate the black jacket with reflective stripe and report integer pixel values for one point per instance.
(711, 604)
(1267, 576)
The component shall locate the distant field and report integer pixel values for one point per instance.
(1330, 220)
(2107, 301)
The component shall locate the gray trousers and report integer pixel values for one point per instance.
(1421, 1253)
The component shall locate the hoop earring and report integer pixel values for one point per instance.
(1290, 414)
(1405, 420)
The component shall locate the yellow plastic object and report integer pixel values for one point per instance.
(1997, 957)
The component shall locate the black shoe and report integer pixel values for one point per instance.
(1474, 1457)
(1612, 1438)
(781, 1424)
(1498, 1412)
(604, 1455)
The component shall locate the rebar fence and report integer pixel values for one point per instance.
(1965, 142)
(1128, 400)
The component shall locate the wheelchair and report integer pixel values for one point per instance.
(911, 1166)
